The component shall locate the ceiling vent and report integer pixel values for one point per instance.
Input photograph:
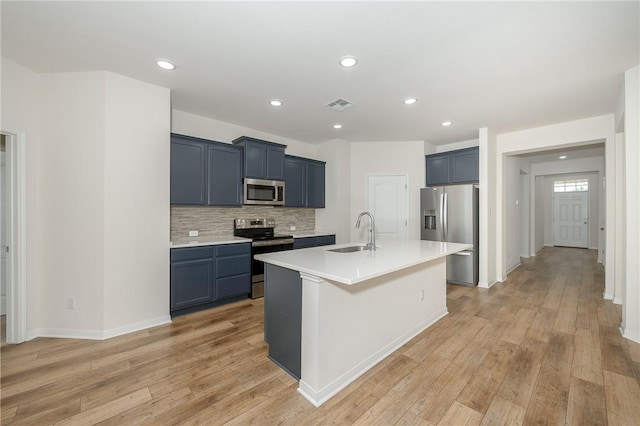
(340, 104)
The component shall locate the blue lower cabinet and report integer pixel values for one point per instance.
(203, 277)
(192, 271)
(306, 242)
(238, 285)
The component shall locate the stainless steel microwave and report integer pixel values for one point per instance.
(264, 192)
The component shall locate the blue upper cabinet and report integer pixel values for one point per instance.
(453, 167)
(465, 165)
(315, 184)
(225, 175)
(205, 172)
(295, 181)
(262, 159)
(304, 182)
(188, 171)
(438, 169)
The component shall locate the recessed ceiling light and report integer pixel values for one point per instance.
(348, 61)
(447, 123)
(562, 157)
(166, 65)
(275, 102)
(337, 126)
(410, 101)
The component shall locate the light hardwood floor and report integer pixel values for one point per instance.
(542, 347)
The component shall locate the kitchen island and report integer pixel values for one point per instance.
(331, 316)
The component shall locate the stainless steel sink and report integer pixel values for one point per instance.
(349, 249)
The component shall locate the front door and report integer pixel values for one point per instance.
(571, 219)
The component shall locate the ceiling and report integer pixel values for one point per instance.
(572, 153)
(503, 65)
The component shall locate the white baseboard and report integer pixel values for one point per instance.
(97, 334)
(486, 285)
(319, 396)
(607, 296)
(617, 300)
(510, 270)
(631, 335)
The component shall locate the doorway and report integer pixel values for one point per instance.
(3, 248)
(14, 232)
(571, 213)
(387, 200)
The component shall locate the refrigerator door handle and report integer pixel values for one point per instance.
(462, 253)
(444, 216)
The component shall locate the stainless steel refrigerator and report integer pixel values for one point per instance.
(450, 213)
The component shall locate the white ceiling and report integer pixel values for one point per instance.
(504, 65)
(573, 153)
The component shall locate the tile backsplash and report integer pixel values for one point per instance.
(218, 221)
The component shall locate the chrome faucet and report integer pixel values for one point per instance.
(371, 245)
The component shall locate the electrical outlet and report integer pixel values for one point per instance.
(193, 233)
(292, 228)
(71, 303)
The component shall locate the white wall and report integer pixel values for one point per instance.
(78, 190)
(488, 171)
(336, 215)
(631, 290)
(621, 204)
(71, 181)
(198, 126)
(513, 202)
(20, 105)
(401, 158)
(136, 204)
(538, 214)
(574, 133)
(457, 145)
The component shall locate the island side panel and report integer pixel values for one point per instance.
(283, 317)
(346, 330)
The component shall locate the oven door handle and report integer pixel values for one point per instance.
(266, 243)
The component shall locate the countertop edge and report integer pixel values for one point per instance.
(207, 241)
(348, 281)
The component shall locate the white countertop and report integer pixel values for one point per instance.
(206, 240)
(352, 268)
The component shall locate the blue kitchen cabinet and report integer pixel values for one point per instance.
(205, 172)
(208, 276)
(225, 175)
(453, 167)
(315, 184)
(188, 170)
(325, 240)
(438, 169)
(283, 318)
(262, 159)
(306, 242)
(304, 182)
(192, 271)
(465, 165)
(233, 270)
(295, 179)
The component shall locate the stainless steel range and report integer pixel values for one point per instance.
(265, 240)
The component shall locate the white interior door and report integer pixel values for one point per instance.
(571, 219)
(387, 200)
(3, 243)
